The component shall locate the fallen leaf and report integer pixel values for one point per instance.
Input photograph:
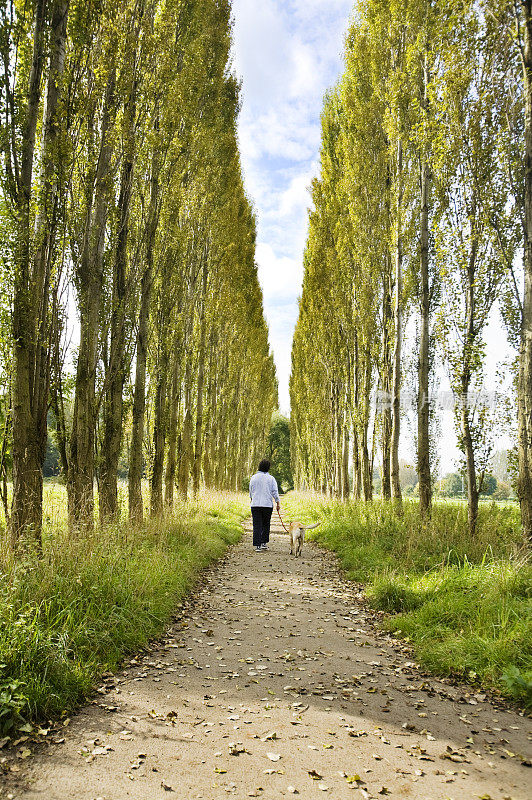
(269, 737)
(237, 749)
(315, 775)
(354, 779)
(166, 786)
(26, 728)
(101, 750)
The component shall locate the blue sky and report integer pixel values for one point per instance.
(288, 53)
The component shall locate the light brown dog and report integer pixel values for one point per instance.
(296, 531)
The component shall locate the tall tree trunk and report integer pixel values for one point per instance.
(90, 278)
(185, 455)
(386, 386)
(423, 407)
(31, 286)
(525, 354)
(136, 460)
(471, 474)
(357, 476)
(210, 400)
(160, 406)
(345, 462)
(396, 426)
(465, 382)
(367, 462)
(198, 446)
(113, 402)
(171, 459)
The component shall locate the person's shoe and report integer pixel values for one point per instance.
(258, 548)
(264, 547)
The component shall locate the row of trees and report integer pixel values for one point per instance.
(422, 218)
(128, 237)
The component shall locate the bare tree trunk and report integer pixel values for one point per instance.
(465, 381)
(345, 462)
(185, 459)
(210, 415)
(90, 278)
(113, 403)
(198, 447)
(423, 408)
(357, 477)
(367, 463)
(386, 388)
(357, 474)
(525, 354)
(159, 440)
(396, 426)
(31, 286)
(471, 474)
(171, 459)
(136, 460)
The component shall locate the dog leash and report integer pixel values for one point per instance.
(282, 523)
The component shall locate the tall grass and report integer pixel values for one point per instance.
(76, 611)
(464, 604)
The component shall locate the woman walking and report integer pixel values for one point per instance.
(263, 491)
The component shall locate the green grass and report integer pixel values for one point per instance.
(67, 617)
(464, 605)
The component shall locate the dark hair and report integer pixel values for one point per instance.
(264, 465)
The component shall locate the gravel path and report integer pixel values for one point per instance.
(274, 682)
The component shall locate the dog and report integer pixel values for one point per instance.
(296, 531)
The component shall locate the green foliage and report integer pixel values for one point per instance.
(452, 485)
(76, 612)
(390, 595)
(489, 485)
(12, 701)
(465, 604)
(278, 452)
(417, 210)
(519, 684)
(503, 491)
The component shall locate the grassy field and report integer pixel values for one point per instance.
(67, 617)
(464, 605)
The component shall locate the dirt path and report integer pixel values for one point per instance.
(273, 684)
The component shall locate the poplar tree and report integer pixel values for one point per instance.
(122, 182)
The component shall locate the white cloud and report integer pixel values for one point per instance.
(280, 277)
(281, 322)
(296, 198)
(288, 52)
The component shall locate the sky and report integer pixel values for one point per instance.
(288, 53)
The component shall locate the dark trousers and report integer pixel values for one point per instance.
(261, 524)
